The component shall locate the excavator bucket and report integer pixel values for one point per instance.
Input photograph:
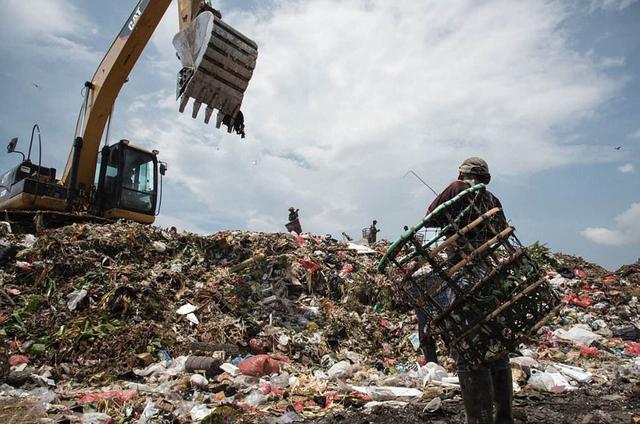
(218, 63)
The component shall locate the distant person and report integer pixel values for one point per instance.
(294, 221)
(373, 232)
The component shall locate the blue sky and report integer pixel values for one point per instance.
(349, 95)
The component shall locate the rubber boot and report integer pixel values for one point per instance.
(477, 394)
(428, 346)
(503, 395)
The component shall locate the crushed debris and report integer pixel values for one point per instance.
(133, 323)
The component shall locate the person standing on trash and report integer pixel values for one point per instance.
(373, 232)
(294, 221)
(490, 385)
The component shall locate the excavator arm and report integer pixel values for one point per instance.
(217, 62)
(104, 87)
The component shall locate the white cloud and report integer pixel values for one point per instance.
(627, 168)
(349, 95)
(626, 229)
(610, 5)
(48, 29)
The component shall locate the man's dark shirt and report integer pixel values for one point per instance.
(449, 193)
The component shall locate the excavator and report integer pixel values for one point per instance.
(122, 181)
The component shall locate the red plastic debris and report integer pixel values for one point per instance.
(259, 346)
(15, 360)
(330, 398)
(609, 278)
(265, 388)
(633, 348)
(346, 268)
(587, 351)
(117, 395)
(310, 265)
(298, 406)
(583, 301)
(580, 273)
(259, 365)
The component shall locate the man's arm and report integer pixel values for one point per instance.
(447, 194)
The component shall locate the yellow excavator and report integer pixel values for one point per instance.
(217, 65)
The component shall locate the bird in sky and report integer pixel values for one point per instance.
(618, 147)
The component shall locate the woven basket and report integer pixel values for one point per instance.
(473, 279)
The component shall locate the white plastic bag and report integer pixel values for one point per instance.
(550, 382)
(255, 398)
(436, 372)
(387, 392)
(524, 361)
(342, 369)
(75, 297)
(200, 412)
(575, 373)
(578, 335)
(149, 412)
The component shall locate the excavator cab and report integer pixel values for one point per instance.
(127, 183)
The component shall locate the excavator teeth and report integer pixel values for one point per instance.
(183, 103)
(207, 114)
(218, 63)
(219, 118)
(196, 109)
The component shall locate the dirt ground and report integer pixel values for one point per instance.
(585, 406)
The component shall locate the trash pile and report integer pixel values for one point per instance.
(132, 323)
(596, 336)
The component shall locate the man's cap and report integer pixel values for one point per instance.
(474, 165)
(292, 208)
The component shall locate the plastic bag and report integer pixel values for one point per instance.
(574, 373)
(386, 392)
(432, 372)
(97, 418)
(550, 382)
(200, 412)
(149, 412)
(255, 398)
(159, 246)
(119, 395)
(75, 297)
(199, 381)
(524, 361)
(259, 365)
(342, 369)
(577, 335)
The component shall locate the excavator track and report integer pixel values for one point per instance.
(34, 222)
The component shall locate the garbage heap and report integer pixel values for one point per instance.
(131, 323)
(96, 300)
(595, 338)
